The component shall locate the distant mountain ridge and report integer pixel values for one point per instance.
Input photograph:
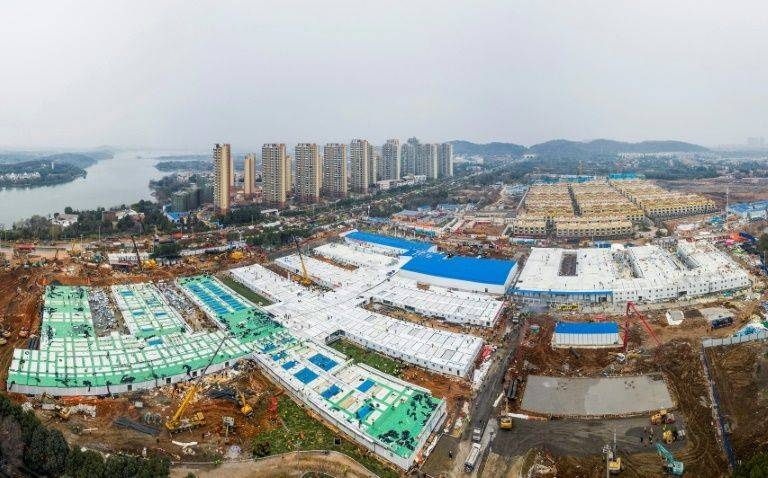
(467, 148)
(567, 147)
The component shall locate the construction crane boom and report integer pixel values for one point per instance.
(136, 250)
(305, 280)
(175, 422)
(633, 310)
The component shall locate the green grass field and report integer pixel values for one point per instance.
(309, 434)
(244, 291)
(373, 359)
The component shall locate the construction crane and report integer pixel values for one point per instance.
(305, 280)
(177, 422)
(632, 310)
(671, 466)
(136, 250)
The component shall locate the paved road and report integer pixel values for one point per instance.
(482, 411)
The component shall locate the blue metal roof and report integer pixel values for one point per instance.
(742, 208)
(409, 246)
(485, 271)
(587, 328)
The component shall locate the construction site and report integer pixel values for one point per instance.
(142, 361)
(403, 353)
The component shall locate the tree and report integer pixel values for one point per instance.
(57, 451)
(84, 464)
(11, 443)
(755, 467)
(36, 455)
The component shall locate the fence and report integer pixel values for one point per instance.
(738, 339)
(716, 410)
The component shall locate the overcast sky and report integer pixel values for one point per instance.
(187, 74)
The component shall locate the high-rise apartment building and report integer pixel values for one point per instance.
(335, 169)
(249, 174)
(390, 160)
(373, 165)
(359, 161)
(445, 160)
(408, 154)
(222, 171)
(288, 169)
(231, 172)
(426, 160)
(309, 173)
(274, 161)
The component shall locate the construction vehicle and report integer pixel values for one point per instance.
(245, 408)
(662, 418)
(178, 423)
(75, 250)
(305, 280)
(472, 458)
(505, 422)
(149, 264)
(136, 251)
(633, 311)
(613, 464)
(237, 255)
(671, 466)
(668, 436)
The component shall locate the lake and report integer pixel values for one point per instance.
(124, 179)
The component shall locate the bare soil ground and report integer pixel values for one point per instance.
(740, 373)
(678, 360)
(680, 363)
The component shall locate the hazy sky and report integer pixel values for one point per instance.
(187, 74)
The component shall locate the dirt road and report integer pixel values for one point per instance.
(287, 465)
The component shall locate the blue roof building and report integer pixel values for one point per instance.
(394, 245)
(750, 211)
(587, 335)
(466, 273)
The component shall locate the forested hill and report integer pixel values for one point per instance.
(562, 147)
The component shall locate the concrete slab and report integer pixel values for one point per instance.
(593, 397)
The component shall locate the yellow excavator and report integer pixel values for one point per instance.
(305, 280)
(178, 422)
(245, 408)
